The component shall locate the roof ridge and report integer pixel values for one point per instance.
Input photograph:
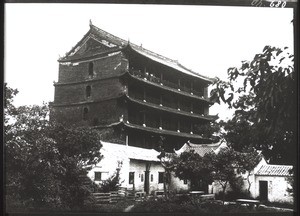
(136, 46)
(278, 165)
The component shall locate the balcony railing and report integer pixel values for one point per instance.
(170, 107)
(165, 126)
(157, 80)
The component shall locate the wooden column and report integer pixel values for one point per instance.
(192, 86)
(160, 122)
(179, 83)
(161, 77)
(160, 100)
(178, 125)
(178, 104)
(192, 107)
(144, 118)
(192, 128)
(127, 139)
(144, 94)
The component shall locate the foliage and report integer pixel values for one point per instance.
(45, 160)
(246, 163)
(193, 167)
(167, 160)
(209, 130)
(265, 103)
(185, 204)
(111, 184)
(223, 166)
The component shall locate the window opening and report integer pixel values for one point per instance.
(88, 91)
(98, 176)
(160, 177)
(91, 69)
(131, 177)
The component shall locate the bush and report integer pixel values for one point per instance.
(111, 184)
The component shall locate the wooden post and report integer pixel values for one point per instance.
(160, 100)
(144, 94)
(160, 122)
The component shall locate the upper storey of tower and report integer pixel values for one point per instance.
(97, 42)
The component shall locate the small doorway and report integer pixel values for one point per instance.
(263, 190)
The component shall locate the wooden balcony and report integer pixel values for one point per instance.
(167, 85)
(155, 104)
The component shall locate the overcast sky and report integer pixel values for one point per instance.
(206, 39)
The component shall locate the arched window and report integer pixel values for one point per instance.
(88, 91)
(85, 113)
(91, 69)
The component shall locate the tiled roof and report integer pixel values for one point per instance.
(274, 170)
(97, 32)
(200, 149)
(131, 152)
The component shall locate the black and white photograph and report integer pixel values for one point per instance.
(150, 108)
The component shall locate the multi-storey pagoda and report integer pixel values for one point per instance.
(130, 93)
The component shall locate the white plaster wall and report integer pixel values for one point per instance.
(139, 168)
(108, 165)
(178, 185)
(277, 188)
(216, 187)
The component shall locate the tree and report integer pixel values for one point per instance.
(246, 164)
(167, 162)
(265, 103)
(223, 166)
(45, 160)
(191, 166)
(210, 130)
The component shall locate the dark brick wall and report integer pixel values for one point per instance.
(101, 89)
(103, 68)
(102, 113)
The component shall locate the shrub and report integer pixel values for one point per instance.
(111, 184)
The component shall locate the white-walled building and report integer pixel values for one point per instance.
(140, 168)
(270, 182)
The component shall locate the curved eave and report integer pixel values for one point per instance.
(167, 109)
(168, 63)
(162, 132)
(151, 130)
(89, 57)
(87, 102)
(170, 89)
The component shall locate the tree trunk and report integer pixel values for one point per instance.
(165, 186)
(249, 184)
(224, 189)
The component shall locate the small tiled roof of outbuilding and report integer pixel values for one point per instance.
(200, 149)
(274, 170)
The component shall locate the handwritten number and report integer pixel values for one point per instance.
(283, 4)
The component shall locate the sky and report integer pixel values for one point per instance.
(206, 39)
